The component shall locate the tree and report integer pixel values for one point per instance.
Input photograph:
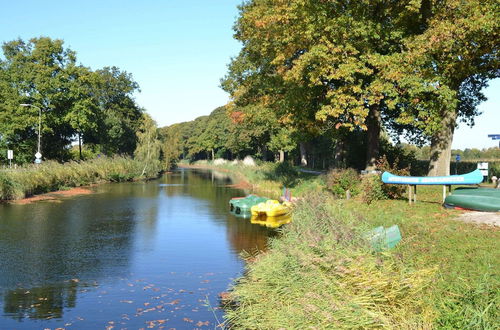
(457, 53)
(366, 64)
(148, 146)
(37, 73)
(329, 56)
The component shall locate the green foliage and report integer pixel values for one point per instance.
(72, 101)
(285, 173)
(371, 188)
(392, 190)
(148, 147)
(339, 181)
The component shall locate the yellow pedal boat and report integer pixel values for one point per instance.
(271, 208)
(271, 222)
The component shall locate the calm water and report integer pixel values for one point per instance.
(131, 255)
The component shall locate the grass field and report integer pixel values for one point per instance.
(320, 272)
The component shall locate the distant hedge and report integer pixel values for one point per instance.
(419, 167)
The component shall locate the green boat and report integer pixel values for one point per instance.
(478, 199)
(241, 205)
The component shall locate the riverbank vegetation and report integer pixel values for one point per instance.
(321, 273)
(51, 176)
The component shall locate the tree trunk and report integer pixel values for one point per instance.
(213, 154)
(303, 154)
(441, 146)
(373, 123)
(80, 144)
(264, 153)
(282, 156)
(338, 160)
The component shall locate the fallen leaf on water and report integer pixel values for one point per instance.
(187, 320)
(127, 301)
(146, 304)
(174, 302)
(200, 323)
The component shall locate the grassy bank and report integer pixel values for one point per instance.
(52, 176)
(268, 178)
(320, 273)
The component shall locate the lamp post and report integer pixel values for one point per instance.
(38, 155)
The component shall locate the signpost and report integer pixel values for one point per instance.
(483, 167)
(457, 159)
(10, 156)
(495, 137)
(38, 157)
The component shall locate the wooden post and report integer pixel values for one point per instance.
(415, 194)
(444, 192)
(409, 194)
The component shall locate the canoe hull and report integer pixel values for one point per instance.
(478, 199)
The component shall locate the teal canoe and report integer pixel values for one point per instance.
(478, 199)
(242, 205)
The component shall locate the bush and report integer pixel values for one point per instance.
(339, 181)
(372, 188)
(393, 190)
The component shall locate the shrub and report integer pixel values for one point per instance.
(372, 188)
(392, 190)
(339, 181)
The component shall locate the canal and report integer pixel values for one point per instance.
(130, 255)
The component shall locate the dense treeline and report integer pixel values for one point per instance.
(410, 68)
(94, 108)
(230, 134)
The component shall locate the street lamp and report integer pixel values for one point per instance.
(38, 155)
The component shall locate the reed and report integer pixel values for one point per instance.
(51, 176)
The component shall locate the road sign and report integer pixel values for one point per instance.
(457, 158)
(494, 136)
(483, 167)
(10, 154)
(38, 155)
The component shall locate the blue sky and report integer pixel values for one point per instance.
(176, 50)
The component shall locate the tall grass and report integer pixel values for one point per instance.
(270, 178)
(322, 274)
(51, 176)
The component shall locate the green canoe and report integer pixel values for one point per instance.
(243, 205)
(478, 199)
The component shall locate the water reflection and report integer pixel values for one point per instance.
(40, 303)
(95, 258)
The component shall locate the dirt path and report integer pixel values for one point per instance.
(487, 218)
(53, 196)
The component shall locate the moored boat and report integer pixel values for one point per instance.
(474, 177)
(478, 199)
(271, 208)
(240, 205)
(271, 222)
